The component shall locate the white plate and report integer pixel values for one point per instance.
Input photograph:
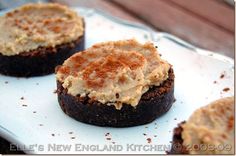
(38, 122)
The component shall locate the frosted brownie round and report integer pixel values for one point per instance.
(209, 130)
(119, 84)
(35, 38)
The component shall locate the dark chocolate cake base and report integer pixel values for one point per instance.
(41, 61)
(155, 102)
(177, 143)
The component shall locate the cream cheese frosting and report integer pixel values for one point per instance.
(211, 128)
(114, 73)
(38, 25)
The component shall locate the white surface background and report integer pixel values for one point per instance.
(194, 87)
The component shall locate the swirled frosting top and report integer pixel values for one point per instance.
(114, 72)
(38, 25)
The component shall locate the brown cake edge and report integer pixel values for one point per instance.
(154, 103)
(177, 146)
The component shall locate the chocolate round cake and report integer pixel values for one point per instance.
(118, 84)
(35, 38)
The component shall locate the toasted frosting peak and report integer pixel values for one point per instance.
(38, 25)
(211, 126)
(114, 72)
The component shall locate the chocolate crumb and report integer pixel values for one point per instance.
(215, 82)
(108, 138)
(226, 89)
(70, 132)
(156, 46)
(113, 142)
(146, 127)
(117, 95)
(107, 134)
(22, 98)
(55, 91)
(175, 118)
(174, 100)
(155, 136)
(34, 111)
(144, 134)
(149, 140)
(40, 124)
(72, 137)
(24, 105)
(222, 76)
(53, 134)
(6, 82)
(37, 83)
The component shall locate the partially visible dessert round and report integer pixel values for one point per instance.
(35, 38)
(209, 130)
